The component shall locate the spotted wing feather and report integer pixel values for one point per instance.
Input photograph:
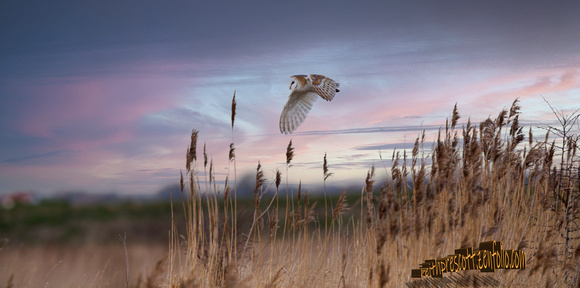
(296, 110)
(324, 86)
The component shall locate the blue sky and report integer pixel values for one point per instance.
(101, 96)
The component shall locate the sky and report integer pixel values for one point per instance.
(102, 96)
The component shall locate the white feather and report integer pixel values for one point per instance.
(303, 96)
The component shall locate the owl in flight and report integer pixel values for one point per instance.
(305, 91)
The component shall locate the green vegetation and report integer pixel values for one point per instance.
(59, 222)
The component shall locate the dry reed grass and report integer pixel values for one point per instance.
(478, 183)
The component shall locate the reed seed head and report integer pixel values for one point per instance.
(204, 156)
(289, 153)
(278, 178)
(341, 206)
(191, 150)
(233, 109)
(232, 154)
(325, 169)
(181, 184)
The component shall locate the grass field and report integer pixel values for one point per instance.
(477, 183)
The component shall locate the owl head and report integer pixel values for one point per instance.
(298, 81)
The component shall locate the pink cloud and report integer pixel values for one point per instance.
(109, 107)
(548, 82)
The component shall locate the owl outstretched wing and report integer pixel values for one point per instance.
(324, 86)
(295, 110)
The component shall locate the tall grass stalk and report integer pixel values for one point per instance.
(232, 157)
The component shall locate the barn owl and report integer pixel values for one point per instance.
(305, 91)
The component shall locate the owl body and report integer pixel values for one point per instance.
(305, 90)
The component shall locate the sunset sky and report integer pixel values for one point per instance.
(101, 96)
